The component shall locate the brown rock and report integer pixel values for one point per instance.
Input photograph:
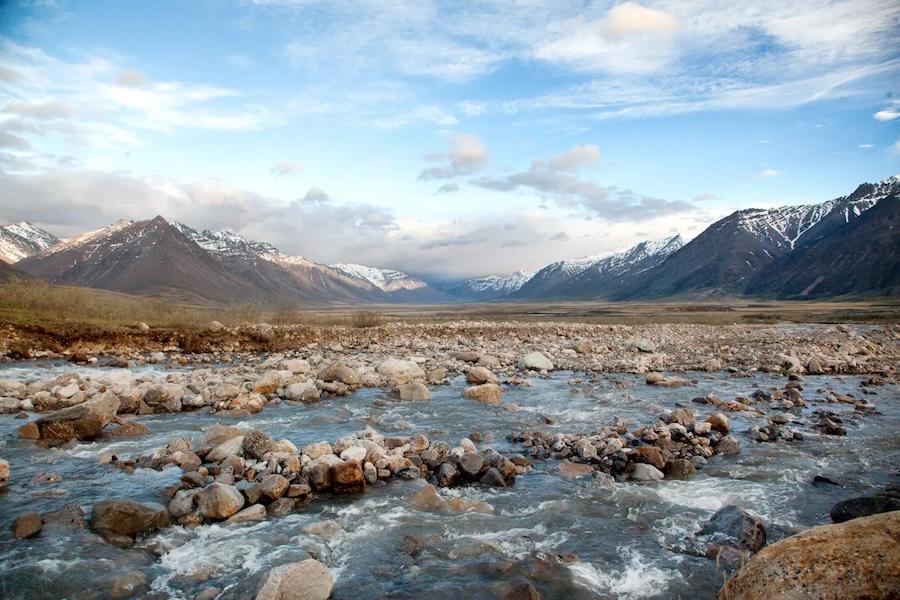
(347, 477)
(116, 519)
(273, 486)
(574, 470)
(524, 591)
(650, 455)
(856, 559)
(305, 580)
(718, 422)
(27, 525)
(486, 393)
(129, 429)
(30, 431)
(84, 421)
(219, 501)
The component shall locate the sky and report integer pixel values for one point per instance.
(446, 139)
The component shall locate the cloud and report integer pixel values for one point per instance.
(285, 168)
(630, 18)
(574, 157)
(9, 140)
(888, 114)
(447, 188)
(314, 195)
(769, 173)
(866, 146)
(706, 197)
(131, 78)
(467, 156)
(609, 203)
(44, 111)
(562, 236)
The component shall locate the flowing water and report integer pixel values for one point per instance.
(629, 540)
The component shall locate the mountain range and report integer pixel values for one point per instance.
(843, 247)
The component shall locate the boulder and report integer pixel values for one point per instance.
(305, 391)
(855, 508)
(219, 501)
(4, 474)
(328, 530)
(718, 422)
(165, 397)
(84, 421)
(119, 519)
(348, 478)
(317, 449)
(734, 527)
(273, 486)
(231, 447)
(218, 434)
(27, 525)
(486, 393)
(479, 375)
(680, 468)
(129, 429)
(256, 444)
(414, 390)
(70, 516)
(255, 512)
(524, 591)
(341, 373)
(641, 344)
(400, 371)
(728, 446)
(305, 580)
(645, 472)
(856, 559)
(296, 366)
(535, 361)
(650, 455)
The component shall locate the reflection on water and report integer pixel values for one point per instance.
(626, 538)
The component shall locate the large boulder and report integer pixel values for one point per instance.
(165, 397)
(734, 527)
(479, 375)
(347, 477)
(84, 421)
(256, 444)
(486, 393)
(305, 580)
(414, 390)
(342, 373)
(862, 507)
(303, 391)
(400, 371)
(119, 521)
(535, 361)
(219, 501)
(856, 559)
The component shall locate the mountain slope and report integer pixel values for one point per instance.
(20, 240)
(724, 258)
(859, 257)
(597, 276)
(150, 258)
(492, 287)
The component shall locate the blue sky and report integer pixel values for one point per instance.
(441, 138)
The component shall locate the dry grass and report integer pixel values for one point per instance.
(367, 318)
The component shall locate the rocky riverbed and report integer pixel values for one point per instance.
(475, 459)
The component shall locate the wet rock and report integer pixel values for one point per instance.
(228, 448)
(728, 446)
(575, 470)
(165, 397)
(413, 391)
(471, 463)
(70, 516)
(523, 591)
(84, 421)
(446, 475)
(645, 472)
(273, 486)
(128, 585)
(493, 478)
(412, 546)
(856, 559)
(419, 444)
(120, 519)
(129, 429)
(210, 593)
(341, 373)
(535, 361)
(217, 434)
(682, 416)
(347, 478)
(400, 371)
(734, 527)
(219, 501)
(281, 507)
(255, 512)
(182, 503)
(4, 474)
(305, 391)
(680, 468)
(718, 422)
(486, 393)
(865, 506)
(479, 375)
(650, 455)
(328, 530)
(27, 525)
(256, 444)
(317, 449)
(305, 580)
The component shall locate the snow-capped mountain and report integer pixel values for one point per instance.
(495, 286)
(386, 280)
(724, 258)
(598, 275)
(21, 240)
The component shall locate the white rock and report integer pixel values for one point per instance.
(535, 361)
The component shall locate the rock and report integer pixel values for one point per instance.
(400, 371)
(256, 444)
(270, 381)
(575, 470)
(856, 559)
(281, 507)
(680, 468)
(117, 519)
(479, 375)
(296, 366)
(347, 478)
(84, 421)
(143, 326)
(232, 447)
(524, 591)
(728, 446)
(414, 390)
(219, 501)
(317, 449)
(682, 416)
(219, 434)
(341, 373)
(318, 471)
(70, 516)
(535, 361)
(641, 344)
(734, 527)
(305, 580)
(128, 585)
(305, 391)
(327, 530)
(650, 455)
(354, 453)
(29, 431)
(862, 507)
(250, 490)
(182, 503)
(255, 512)
(165, 397)
(27, 525)
(273, 486)
(419, 443)
(493, 478)
(210, 593)
(4, 474)
(654, 378)
(718, 422)
(471, 463)
(129, 429)
(486, 393)
(645, 472)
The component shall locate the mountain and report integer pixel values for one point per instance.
(396, 285)
(725, 257)
(597, 276)
(20, 240)
(859, 256)
(8, 272)
(146, 257)
(492, 287)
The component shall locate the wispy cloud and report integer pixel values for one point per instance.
(285, 168)
(467, 155)
(769, 173)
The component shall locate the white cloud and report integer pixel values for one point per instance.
(285, 168)
(315, 195)
(467, 155)
(866, 146)
(630, 18)
(888, 114)
(769, 173)
(574, 157)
